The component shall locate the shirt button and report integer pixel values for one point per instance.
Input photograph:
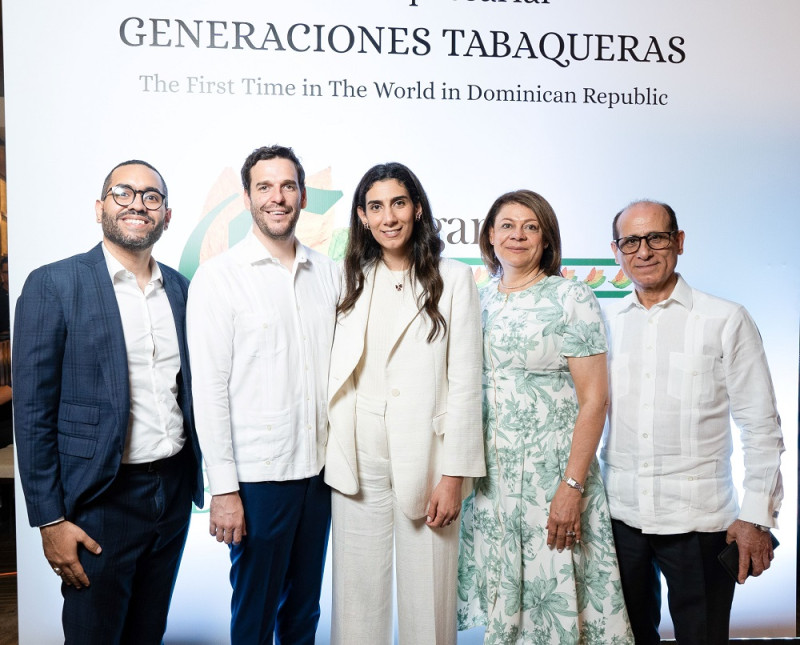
(645, 464)
(268, 462)
(647, 375)
(269, 427)
(264, 325)
(395, 392)
(645, 435)
(644, 492)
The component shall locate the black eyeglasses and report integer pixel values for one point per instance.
(125, 195)
(656, 241)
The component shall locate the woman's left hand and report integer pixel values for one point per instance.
(445, 504)
(564, 523)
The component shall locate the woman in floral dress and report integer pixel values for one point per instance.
(537, 561)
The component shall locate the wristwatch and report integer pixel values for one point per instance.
(569, 481)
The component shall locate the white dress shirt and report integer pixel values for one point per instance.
(260, 338)
(679, 371)
(155, 430)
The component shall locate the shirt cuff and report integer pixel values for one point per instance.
(759, 509)
(222, 479)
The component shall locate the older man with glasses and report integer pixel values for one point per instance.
(108, 456)
(682, 362)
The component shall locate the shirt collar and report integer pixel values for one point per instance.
(116, 271)
(681, 294)
(254, 252)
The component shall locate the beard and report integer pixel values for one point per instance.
(131, 242)
(282, 231)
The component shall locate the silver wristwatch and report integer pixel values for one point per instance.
(569, 481)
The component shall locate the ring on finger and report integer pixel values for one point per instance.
(57, 570)
(570, 533)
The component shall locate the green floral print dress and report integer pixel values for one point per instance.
(508, 578)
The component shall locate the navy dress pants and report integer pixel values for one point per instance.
(276, 570)
(141, 523)
(700, 591)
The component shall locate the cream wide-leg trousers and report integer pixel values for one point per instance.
(365, 528)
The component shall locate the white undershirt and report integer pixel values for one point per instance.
(386, 301)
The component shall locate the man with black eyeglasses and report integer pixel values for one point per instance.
(682, 362)
(108, 455)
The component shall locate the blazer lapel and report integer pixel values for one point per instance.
(348, 345)
(177, 303)
(109, 339)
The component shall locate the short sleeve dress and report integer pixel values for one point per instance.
(509, 580)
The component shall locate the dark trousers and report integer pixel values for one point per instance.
(276, 571)
(141, 523)
(700, 591)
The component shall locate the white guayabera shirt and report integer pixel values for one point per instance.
(260, 339)
(679, 371)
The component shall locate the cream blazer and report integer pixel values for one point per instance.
(433, 394)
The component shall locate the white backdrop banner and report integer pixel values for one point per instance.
(591, 103)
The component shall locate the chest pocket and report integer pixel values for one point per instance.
(691, 378)
(259, 335)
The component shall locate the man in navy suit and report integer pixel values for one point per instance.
(108, 456)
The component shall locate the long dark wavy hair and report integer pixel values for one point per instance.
(424, 248)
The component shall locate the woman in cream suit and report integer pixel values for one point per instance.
(405, 418)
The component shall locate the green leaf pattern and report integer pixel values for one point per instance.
(508, 579)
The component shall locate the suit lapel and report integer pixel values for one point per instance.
(348, 345)
(109, 339)
(177, 303)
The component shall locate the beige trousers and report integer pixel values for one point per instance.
(368, 529)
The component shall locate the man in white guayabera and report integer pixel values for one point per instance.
(260, 323)
(683, 362)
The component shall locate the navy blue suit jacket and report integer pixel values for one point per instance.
(71, 386)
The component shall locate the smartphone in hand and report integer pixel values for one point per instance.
(729, 558)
